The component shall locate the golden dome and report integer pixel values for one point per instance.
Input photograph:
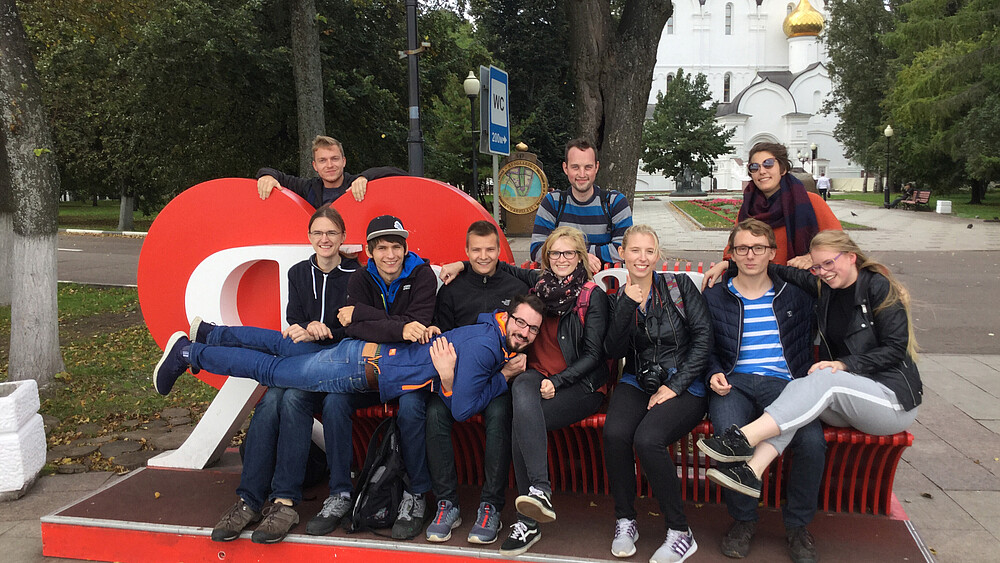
(803, 21)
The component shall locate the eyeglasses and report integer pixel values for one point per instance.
(521, 323)
(824, 265)
(757, 249)
(319, 234)
(565, 254)
(768, 163)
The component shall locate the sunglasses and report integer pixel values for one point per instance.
(768, 163)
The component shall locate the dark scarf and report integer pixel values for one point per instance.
(790, 207)
(559, 295)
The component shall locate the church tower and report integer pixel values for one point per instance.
(802, 27)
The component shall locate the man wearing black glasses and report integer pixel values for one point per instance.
(763, 334)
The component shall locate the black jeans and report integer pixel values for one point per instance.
(534, 416)
(651, 432)
(496, 455)
(744, 403)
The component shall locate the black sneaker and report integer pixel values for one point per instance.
(736, 544)
(234, 521)
(278, 520)
(199, 330)
(801, 545)
(412, 516)
(537, 505)
(335, 507)
(522, 537)
(731, 446)
(172, 364)
(739, 478)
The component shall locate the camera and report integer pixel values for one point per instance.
(652, 376)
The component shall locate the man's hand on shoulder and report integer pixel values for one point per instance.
(358, 188)
(265, 184)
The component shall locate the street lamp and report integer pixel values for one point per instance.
(888, 147)
(815, 152)
(471, 87)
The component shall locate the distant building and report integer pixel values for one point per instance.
(765, 63)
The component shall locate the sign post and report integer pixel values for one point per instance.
(497, 110)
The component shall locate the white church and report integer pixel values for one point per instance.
(765, 64)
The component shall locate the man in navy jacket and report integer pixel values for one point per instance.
(763, 338)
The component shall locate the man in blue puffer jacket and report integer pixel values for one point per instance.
(763, 339)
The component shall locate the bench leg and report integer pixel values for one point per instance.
(216, 428)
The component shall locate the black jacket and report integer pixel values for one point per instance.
(314, 295)
(877, 344)
(312, 190)
(375, 319)
(582, 345)
(460, 302)
(665, 337)
(793, 309)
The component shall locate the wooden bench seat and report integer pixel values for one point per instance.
(919, 197)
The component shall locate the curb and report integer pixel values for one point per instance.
(138, 234)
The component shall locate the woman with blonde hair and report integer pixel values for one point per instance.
(866, 377)
(660, 324)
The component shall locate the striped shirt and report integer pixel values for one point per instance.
(760, 345)
(589, 218)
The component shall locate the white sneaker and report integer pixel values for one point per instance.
(626, 534)
(676, 548)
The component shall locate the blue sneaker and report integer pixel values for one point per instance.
(487, 525)
(448, 518)
(172, 364)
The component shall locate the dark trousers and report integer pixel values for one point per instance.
(651, 432)
(534, 416)
(744, 403)
(496, 456)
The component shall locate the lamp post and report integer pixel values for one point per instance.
(888, 147)
(471, 87)
(815, 151)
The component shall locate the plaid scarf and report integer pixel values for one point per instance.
(559, 295)
(789, 207)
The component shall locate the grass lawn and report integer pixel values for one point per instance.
(109, 357)
(960, 206)
(104, 217)
(710, 220)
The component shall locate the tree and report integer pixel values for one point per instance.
(946, 91)
(859, 68)
(34, 177)
(613, 49)
(683, 132)
(6, 227)
(308, 79)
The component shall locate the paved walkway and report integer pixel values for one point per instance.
(948, 482)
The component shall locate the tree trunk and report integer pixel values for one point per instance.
(126, 210)
(613, 69)
(6, 225)
(34, 315)
(864, 183)
(978, 192)
(308, 79)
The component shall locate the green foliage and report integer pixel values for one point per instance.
(683, 131)
(989, 209)
(100, 217)
(529, 40)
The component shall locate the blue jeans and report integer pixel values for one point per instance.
(277, 447)
(263, 355)
(274, 361)
(745, 402)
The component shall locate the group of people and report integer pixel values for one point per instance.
(533, 350)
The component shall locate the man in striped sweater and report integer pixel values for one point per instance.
(602, 215)
(763, 338)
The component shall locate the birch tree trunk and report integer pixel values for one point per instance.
(613, 69)
(308, 80)
(6, 226)
(34, 335)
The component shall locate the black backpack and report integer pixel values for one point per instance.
(380, 485)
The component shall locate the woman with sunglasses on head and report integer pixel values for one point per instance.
(866, 377)
(565, 375)
(660, 324)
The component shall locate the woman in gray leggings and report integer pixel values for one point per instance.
(866, 377)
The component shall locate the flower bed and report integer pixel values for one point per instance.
(723, 207)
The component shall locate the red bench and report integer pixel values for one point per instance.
(919, 197)
(858, 478)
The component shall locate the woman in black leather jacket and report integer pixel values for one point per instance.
(866, 377)
(565, 375)
(660, 324)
